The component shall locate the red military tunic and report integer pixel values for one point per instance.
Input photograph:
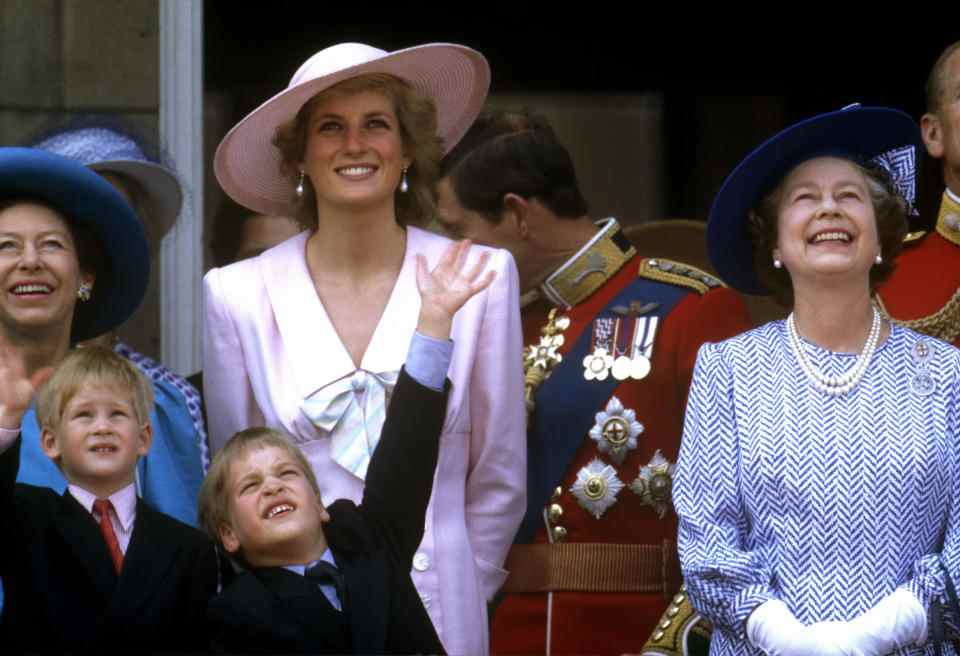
(613, 622)
(924, 291)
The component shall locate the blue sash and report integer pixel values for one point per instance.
(566, 405)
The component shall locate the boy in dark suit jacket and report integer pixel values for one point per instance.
(94, 570)
(336, 580)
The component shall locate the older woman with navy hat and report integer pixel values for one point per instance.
(819, 473)
(309, 336)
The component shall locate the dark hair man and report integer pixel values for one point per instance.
(612, 342)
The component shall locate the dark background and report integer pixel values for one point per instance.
(728, 80)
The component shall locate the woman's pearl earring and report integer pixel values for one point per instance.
(403, 181)
(777, 264)
(878, 259)
(299, 188)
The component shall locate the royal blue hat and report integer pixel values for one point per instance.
(90, 202)
(886, 137)
(110, 151)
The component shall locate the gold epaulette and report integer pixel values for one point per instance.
(680, 631)
(913, 237)
(679, 273)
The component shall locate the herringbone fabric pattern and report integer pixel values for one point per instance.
(828, 503)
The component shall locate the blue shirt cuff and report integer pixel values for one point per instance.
(428, 360)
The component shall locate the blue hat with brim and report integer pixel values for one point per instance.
(89, 202)
(860, 133)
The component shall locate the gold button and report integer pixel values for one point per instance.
(658, 635)
(556, 493)
(559, 533)
(672, 611)
(665, 624)
(678, 599)
(555, 512)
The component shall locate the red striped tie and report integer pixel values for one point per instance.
(103, 506)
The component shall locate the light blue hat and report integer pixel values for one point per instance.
(108, 151)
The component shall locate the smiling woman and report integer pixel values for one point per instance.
(310, 336)
(805, 439)
(73, 264)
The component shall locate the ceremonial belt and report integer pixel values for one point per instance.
(561, 419)
(593, 567)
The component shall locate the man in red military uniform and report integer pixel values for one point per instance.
(924, 291)
(611, 343)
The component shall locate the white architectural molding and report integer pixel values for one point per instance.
(181, 135)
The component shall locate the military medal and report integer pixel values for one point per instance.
(616, 430)
(654, 485)
(644, 333)
(597, 365)
(596, 487)
(922, 382)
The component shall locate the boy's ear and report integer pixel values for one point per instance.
(146, 439)
(48, 442)
(324, 515)
(228, 539)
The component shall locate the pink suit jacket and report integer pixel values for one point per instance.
(268, 344)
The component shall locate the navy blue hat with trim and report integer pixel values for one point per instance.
(87, 201)
(888, 136)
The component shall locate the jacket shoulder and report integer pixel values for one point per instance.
(679, 274)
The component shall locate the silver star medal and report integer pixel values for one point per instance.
(922, 382)
(596, 487)
(544, 354)
(654, 485)
(616, 430)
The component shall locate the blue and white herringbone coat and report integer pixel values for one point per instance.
(827, 503)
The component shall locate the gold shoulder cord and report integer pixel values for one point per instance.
(943, 324)
(679, 273)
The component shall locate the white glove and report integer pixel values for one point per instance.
(898, 620)
(772, 628)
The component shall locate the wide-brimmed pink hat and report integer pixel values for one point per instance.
(247, 164)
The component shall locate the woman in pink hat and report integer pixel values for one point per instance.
(309, 336)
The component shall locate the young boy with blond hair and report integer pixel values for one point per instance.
(337, 579)
(94, 570)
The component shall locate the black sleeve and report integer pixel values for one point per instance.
(400, 477)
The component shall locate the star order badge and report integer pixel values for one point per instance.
(616, 430)
(596, 487)
(654, 485)
(545, 354)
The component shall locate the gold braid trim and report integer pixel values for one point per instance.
(671, 635)
(943, 324)
(679, 273)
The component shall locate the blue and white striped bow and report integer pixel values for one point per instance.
(352, 410)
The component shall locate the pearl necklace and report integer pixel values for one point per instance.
(835, 385)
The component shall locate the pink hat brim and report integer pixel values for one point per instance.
(247, 164)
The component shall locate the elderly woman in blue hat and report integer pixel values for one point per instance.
(819, 473)
(170, 476)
